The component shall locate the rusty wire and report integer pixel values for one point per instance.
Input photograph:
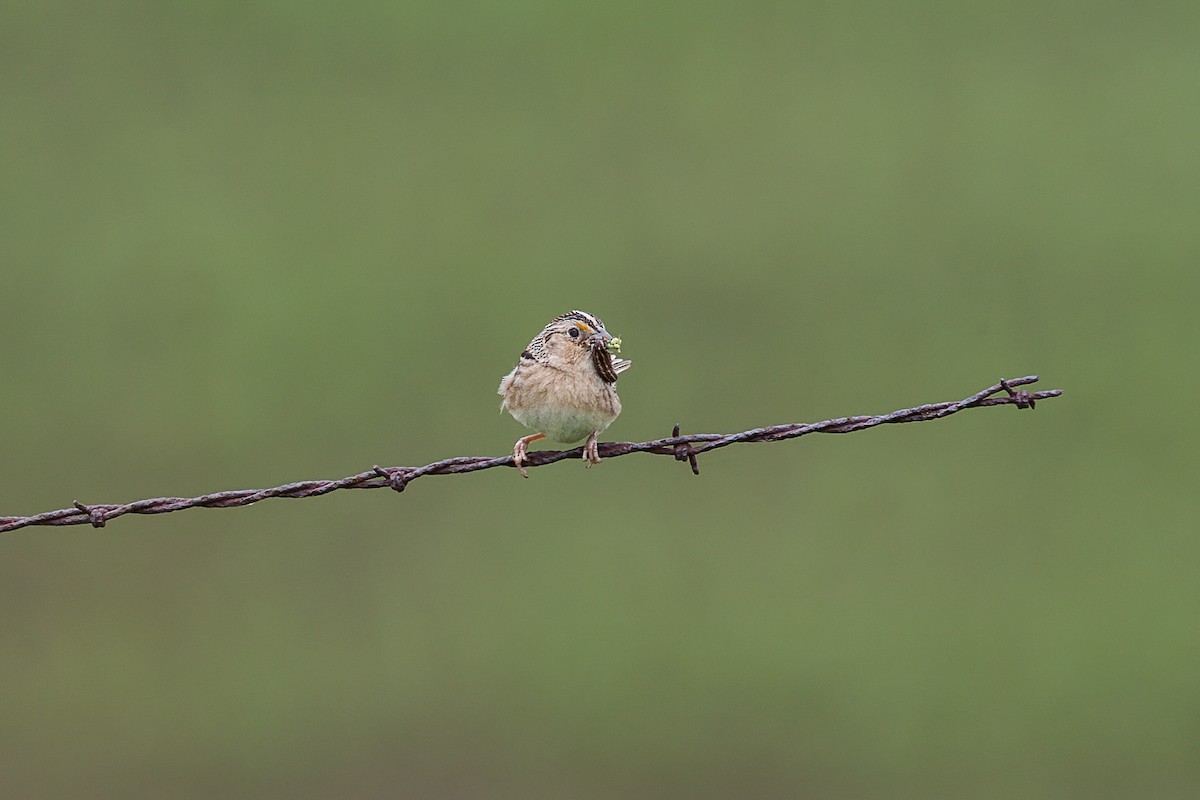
(682, 448)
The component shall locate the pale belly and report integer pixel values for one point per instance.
(564, 425)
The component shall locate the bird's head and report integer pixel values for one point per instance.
(574, 338)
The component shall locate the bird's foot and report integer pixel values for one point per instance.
(520, 455)
(591, 453)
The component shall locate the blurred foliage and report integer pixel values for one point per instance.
(247, 243)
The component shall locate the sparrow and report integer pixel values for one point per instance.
(565, 385)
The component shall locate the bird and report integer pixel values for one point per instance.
(564, 386)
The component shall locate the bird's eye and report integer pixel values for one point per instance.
(573, 333)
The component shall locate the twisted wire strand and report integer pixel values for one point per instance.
(681, 447)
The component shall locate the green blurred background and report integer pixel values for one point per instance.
(250, 243)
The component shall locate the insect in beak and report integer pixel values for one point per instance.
(603, 346)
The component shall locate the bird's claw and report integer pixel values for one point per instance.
(591, 452)
(519, 457)
(520, 454)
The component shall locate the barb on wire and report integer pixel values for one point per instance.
(681, 447)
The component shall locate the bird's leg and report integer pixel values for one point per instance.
(519, 450)
(590, 453)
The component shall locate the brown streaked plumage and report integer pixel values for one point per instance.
(564, 385)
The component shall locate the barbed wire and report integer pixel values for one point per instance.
(681, 447)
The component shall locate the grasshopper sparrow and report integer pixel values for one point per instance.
(564, 386)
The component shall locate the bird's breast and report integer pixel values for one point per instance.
(564, 405)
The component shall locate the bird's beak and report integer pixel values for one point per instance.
(604, 340)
